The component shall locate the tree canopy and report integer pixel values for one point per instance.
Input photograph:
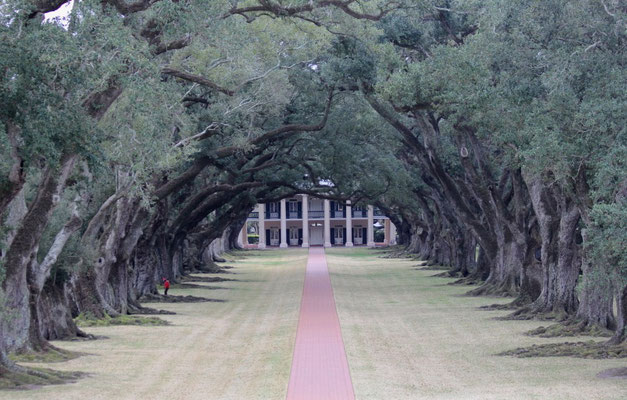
(138, 135)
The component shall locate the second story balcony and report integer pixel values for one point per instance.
(294, 215)
(316, 214)
(273, 215)
(360, 213)
(338, 213)
(254, 215)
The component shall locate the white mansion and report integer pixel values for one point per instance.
(308, 221)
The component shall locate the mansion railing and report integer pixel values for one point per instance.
(254, 214)
(316, 214)
(360, 213)
(338, 213)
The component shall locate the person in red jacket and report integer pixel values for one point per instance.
(166, 285)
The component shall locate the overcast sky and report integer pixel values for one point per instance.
(61, 14)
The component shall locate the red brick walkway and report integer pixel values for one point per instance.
(319, 367)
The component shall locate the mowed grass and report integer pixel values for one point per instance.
(237, 349)
(409, 335)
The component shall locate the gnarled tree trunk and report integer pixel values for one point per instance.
(557, 219)
(15, 324)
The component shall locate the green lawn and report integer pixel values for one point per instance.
(409, 335)
(239, 349)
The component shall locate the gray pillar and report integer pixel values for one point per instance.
(327, 224)
(283, 224)
(305, 208)
(349, 225)
(370, 230)
(262, 226)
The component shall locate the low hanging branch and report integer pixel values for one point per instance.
(196, 79)
(169, 187)
(200, 80)
(284, 131)
(199, 165)
(209, 131)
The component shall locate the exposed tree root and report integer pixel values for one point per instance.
(467, 281)
(134, 307)
(29, 378)
(394, 252)
(49, 355)
(14, 376)
(432, 267)
(83, 337)
(441, 275)
(211, 268)
(590, 349)
(570, 328)
(400, 254)
(158, 298)
(529, 312)
(519, 302)
(150, 311)
(488, 289)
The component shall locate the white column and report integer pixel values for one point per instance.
(305, 208)
(262, 226)
(283, 225)
(327, 224)
(349, 225)
(392, 240)
(370, 230)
